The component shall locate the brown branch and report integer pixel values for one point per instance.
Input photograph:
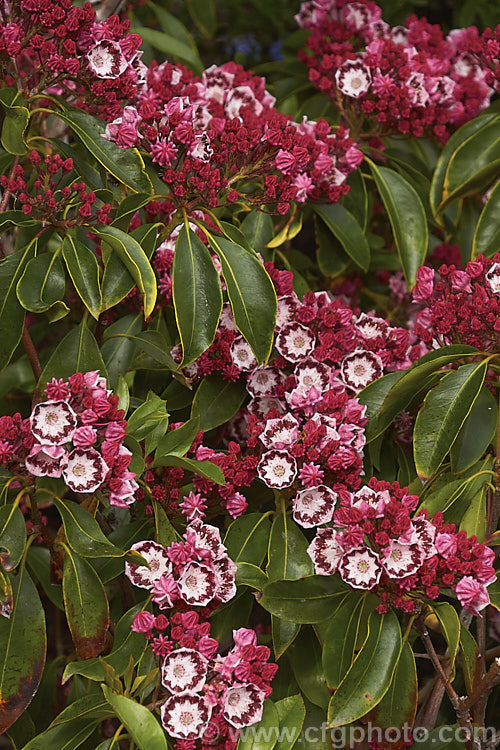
(491, 679)
(30, 350)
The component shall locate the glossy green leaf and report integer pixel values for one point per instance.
(458, 493)
(307, 600)
(117, 281)
(23, 645)
(196, 294)
(331, 257)
(83, 268)
(128, 208)
(15, 122)
(21, 732)
(203, 14)
(205, 469)
(494, 592)
(398, 707)
(64, 736)
(247, 538)
(308, 669)
(86, 606)
(135, 259)
(487, 235)
(264, 734)
(11, 312)
(84, 534)
(474, 520)
(216, 401)
(344, 226)
(154, 345)
(450, 627)
(117, 352)
(407, 216)
(16, 219)
(177, 442)
(125, 164)
(42, 284)
(258, 229)
(251, 294)
(370, 675)
(291, 715)
(248, 574)
(373, 397)
(77, 352)
(340, 639)
(164, 531)
(476, 433)
(442, 415)
(140, 723)
(12, 536)
(149, 419)
(287, 554)
(471, 663)
(169, 45)
(38, 561)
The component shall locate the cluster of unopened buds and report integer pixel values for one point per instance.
(376, 543)
(402, 79)
(77, 435)
(214, 136)
(210, 697)
(460, 306)
(196, 571)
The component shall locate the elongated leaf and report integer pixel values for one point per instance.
(344, 226)
(442, 415)
(475, 517)
(487, 235)
(64, 736)
(407, 217)
(287, 555)
(264, 734)
(142, 726)
(15, 122)
(216, 401)
(196, 294)
(471, 663)
(42, 284)
(169, 45)
(450, 627)
(117, 282)
(153, 344)
(247, 538)
(125, 164)
(399, 705)
(251, 294)
(248, 574)
(258, 229)
(77, 352)
(308, 669)
(370, 676)
(203, 14)
(128, 208)
(135, 259)
(205, 469)
(12, 536)
(149, 421)
(177, 442)
(86, 606)
(476, 433)
(11, 312)
(83, 268)
(23, 645)
(307, 600)
(340, 639)
(117, 352)
(164, 531)
(291, 714)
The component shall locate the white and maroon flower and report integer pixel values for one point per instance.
(493, 278)
(204, 536)
(277, 469)
(423, 533)
(360, 568)
(287, 305)
(184, 671)
(415, 84)
(280, 433)
(263, 381)
(225, 571)
(226, 318)
(197, 584)
(53, 422)
(106, 60)
(243, 705)
(295, 342)
(314, 506)
(242, 355)
(185, 716)
(261, 405)
(360, 368)
(46, 460)
(403, 559)
(371, 326)
(85, 471)
(325, 551)
(158, 561)
(353, 78)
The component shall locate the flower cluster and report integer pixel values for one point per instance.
(77, 434)
(375, 544)
(460, 306)
(405, 79)
(196, 571)
(219, 137)
(54, 197)
(209, 696)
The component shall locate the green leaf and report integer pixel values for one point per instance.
(471, 663)
(216, 401)
(398, 707)
(284, 632)
(258, 229)
(42, 284)
(164, 531)
(177, 442)
(23, 645)
(15, 122)
(21, 732)
(64, 736)
(12, 536)
(341, 636)
(442, 415)
(476, 433)
(77, 352)
(264, 734)
(370, 675)
(287, 555)
(169, 45)
(117, 352)
(196, 294)
(135, 259)
(450, 628)
(125, 164)
(153, 344)
(140, 723)
(459, 492)
(83, 268)
(251, 294)
(86, 606)
(128, 208)
(117, 282)
(487, 235)
(307, 600)
(203, 14)
(474, 519)
(247, 538)
(407, 216)
(291, 714)
(308, 669)
(11, 312)
(149, 420)
(248, 574)
(344, 226)
(331, 258)
(205, 469)
(84, 534)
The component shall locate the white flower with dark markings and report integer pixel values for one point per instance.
(197, 584)
(325, 552)
(280, 433)
(403, 559)
(243, 705)
(313, 507)
(295, 342)
(263, 381)
(242, 355)
(158, 561)
(360, 368)
(85, 471)
(493, 278)
(185, 716)
(184, 670)
(46, 460)
(353, 78)
(360, 568)
(225, 571)
(277, 469)
(53, 422)
(106, 60)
